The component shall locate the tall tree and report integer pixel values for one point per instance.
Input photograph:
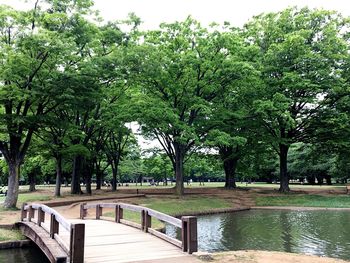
(34, 45)
(184, 68)
(301, 52)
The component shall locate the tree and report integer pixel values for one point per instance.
(184, 68)
(34, 45)
(301, 53)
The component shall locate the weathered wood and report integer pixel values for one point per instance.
(106, 241)
(147, 222)
(77, 243)
(109, 205)
(41, 216)
(164, 217)
(62, 243)
(171, 240)
(119, 214)
(23, 211)
(50, 247)
(134, 208)
(189, 234)
(83, 211)
(98, 211)
(129, 223)
(54, 226)
(30, 213)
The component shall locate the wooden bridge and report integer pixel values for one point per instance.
(102, 239)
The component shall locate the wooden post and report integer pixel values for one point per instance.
(77, 243)
(189, 234)
(30, 213)
(147, 222)
(98, 211)
(143, 220)
(23, 212)
(41, 216)
(54, 226)
(83, 211)
(118, 214)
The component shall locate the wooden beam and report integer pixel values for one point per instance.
(98, 211)
(54, 226)
(23, 212)
(77, 243)
(41, 216)
(83, 211)
(189, 234)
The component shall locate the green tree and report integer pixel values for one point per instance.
(34, 44)
(184, 67)
(301, 53)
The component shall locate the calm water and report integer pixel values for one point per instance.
(322, 233)
(22, 255)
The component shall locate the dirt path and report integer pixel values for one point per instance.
(253, 256)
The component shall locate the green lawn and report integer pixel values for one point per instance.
(7, 235)
(340, 201)
(176, 206)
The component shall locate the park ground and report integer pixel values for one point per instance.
(211, 197)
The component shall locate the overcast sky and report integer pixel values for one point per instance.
(153, 12)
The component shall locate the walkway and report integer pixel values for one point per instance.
(107, 241)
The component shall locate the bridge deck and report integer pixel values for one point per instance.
(107, 241)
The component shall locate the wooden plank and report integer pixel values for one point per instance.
(171, 240)
(134, 208)
(77, 243)
(164, 217)
(62, 243)
(129, 223)
(50, 247)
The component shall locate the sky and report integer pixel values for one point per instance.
(153, 12)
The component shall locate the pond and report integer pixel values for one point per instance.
(23, 255)
(322, 233)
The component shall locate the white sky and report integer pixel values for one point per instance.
(153, 12)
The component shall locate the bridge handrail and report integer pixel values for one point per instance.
(75, 248)
(48, 210)
(187, 224)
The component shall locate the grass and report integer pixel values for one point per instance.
(7, 235)
(175, 206)
(31, 197)
(340, 201)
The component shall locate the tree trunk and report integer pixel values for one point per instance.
(179, 168)
(229, 156)
(230, 166)
(12, 189)
(114, 179)
(58, 176)
(328, 179)
(284, 178)
(115, 166)
(31, 178)
(98, 176)
(76, 175)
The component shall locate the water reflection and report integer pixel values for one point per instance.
(323, 233)
(23, 255)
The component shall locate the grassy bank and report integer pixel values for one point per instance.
(176, 206)
(8, 235)
(339, 201)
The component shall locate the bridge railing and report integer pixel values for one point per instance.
(187, 224)
(75, 248)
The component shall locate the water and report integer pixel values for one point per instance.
(23, 255)
(322, 233)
